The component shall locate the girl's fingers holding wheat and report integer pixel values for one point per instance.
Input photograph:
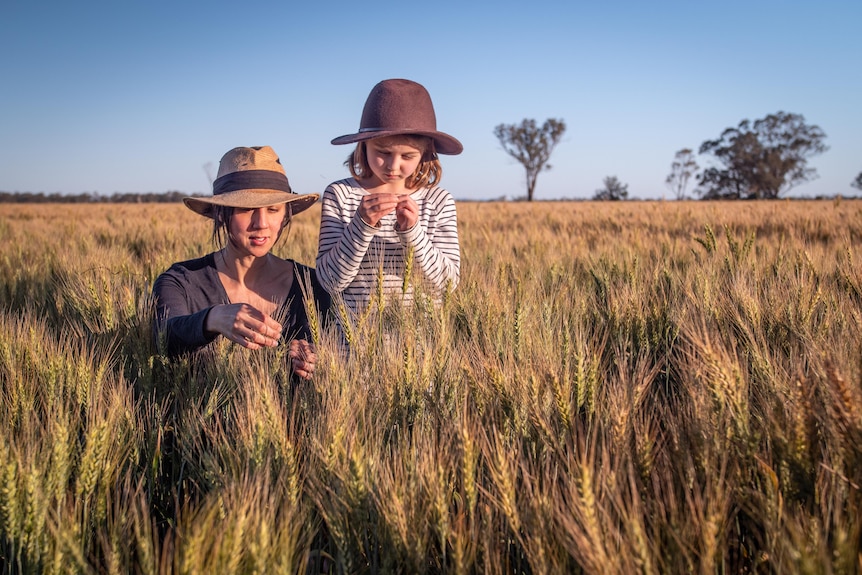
(373, 207)
(406, 212)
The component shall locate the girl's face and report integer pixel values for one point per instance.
(392, 160)
(254, 231)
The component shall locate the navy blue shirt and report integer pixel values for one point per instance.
(186, 292)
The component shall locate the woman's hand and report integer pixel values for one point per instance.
(302, 358)
(373, 207)
(243, 324)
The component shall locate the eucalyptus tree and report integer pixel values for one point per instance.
(531, 145)
(614, 190)
(761, 159)
(682, 170)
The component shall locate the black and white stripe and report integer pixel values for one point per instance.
(351, 253)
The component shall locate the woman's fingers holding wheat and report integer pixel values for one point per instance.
(243, 324)
(302, 358)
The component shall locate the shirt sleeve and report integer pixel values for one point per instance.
(343, 242)
(176, 326)
(437, 253)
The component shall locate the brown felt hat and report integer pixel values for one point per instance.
(251, 178)
(398, 107)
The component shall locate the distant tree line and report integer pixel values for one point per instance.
(756, 160)
(84, 198)
(752, 161)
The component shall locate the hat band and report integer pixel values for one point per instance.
(251, 180)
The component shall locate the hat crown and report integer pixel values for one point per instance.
(250, 177)
(254, 158)
(398, 105)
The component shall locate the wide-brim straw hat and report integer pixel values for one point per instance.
(251, 178)
(399, 107)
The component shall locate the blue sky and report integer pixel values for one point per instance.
(106, 97)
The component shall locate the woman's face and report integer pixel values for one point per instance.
(254, 231)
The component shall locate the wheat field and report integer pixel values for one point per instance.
(632, 387)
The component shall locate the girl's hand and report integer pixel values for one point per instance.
(243, 324)
(406, 213)
(302, 358)
(373, 207)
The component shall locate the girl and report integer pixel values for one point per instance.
(392, 207)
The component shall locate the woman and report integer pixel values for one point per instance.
(243, 292)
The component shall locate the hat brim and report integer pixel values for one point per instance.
(443, 143)
(251, 199)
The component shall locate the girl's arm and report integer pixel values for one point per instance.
(344, 240)
(437, 255)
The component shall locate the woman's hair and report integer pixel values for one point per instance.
(221, 223)
(428, 172)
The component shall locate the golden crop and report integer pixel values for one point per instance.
(632, 387)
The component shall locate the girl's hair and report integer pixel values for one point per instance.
(221, 224)
(427, 173)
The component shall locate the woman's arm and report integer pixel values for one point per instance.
(177, 328)
(185, 322)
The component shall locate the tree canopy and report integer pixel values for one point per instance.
(763, 159)
(682, 170)
(531, 145)
(613, 190)
(857, 183)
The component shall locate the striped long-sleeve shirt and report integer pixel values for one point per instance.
(352, 254)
